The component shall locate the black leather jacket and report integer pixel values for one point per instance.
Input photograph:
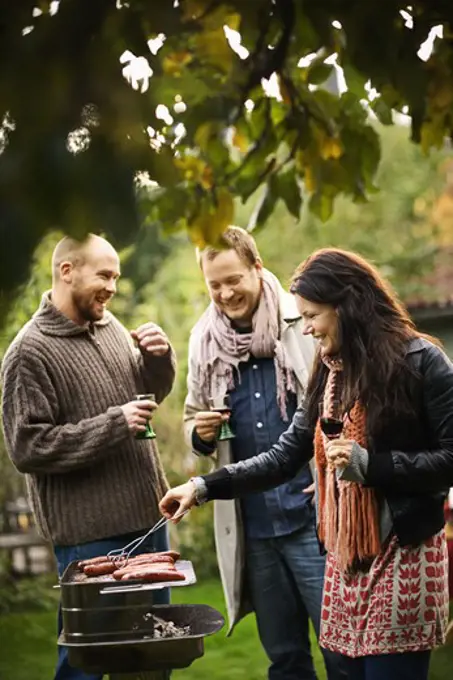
(410, 462)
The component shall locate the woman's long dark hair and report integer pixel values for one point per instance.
(374, 331)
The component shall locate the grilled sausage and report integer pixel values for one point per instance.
(172, 555)
(151, 558)
(92, 560)
(153, 575)
(152, 566)
(99, 568)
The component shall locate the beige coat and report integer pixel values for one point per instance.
(228, 527)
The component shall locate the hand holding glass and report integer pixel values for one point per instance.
(222, 405)
(148, 432)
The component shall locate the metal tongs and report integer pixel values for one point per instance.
(121, 555)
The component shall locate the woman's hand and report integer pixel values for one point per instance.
(177, 501)
(338, 452)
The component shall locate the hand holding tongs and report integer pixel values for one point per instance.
(123, 554)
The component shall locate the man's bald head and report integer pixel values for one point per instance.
(78, 252)
(84, 277)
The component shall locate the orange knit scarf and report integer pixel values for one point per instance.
(348, 517)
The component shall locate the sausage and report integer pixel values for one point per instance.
(153, 575)
(153, 566)
(92, 560)
(172, 554)
(99, 568)
(151, 557)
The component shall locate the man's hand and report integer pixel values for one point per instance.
(151, 339)
(137, 413)
(177, 501)
(207, 424)
(338, 452)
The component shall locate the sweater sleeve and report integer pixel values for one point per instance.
(35, 439)
(158, 373)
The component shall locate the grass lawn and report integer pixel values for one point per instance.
(27, 646)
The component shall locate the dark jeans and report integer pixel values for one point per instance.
(286, 579)
(408, 666)
(66, 554)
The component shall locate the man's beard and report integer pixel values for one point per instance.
(86, 310)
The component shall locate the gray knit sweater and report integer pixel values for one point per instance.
(88, 477)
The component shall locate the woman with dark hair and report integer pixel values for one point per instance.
(381, 484)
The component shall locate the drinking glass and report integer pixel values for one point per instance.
(148, 433)
(222, 405)
(331, 419)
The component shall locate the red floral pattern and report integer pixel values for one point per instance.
(399, 605)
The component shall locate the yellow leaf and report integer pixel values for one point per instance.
(196, 234)
(233, 21)
(204, 134)
(240, 141)
(173, 63)
(212, 220)
(207, 178)
(191, 167)
(309, 180)
(193, 9)
(225, 209)
(212, 47)
(284, 91)
(331, 147)
(431, 134)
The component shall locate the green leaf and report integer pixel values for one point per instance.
(321, 205)
(289, 191)
(354, 80)
(382, 111)
(264, 206)
(318, 73)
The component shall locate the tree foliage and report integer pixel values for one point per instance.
(76, 134)
(415, 201)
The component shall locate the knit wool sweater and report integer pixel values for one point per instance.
(63, 385)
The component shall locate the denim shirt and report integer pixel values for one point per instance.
(257, 423)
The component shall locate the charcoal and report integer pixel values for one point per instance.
(167, 629)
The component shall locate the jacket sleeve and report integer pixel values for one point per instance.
(35, 440)
(194, 403)
(432, 469)
(267, 470)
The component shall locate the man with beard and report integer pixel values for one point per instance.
(248, 345)
(71, 414)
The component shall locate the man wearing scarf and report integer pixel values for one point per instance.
(249, 345)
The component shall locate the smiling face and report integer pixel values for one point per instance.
(89, 281)
(234, 286)
(320, 321)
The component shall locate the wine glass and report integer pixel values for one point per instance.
(331, 419)
(148, 432)
(222, 405)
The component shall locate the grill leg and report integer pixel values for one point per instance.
(145, 675)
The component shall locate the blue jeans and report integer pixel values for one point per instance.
(286, 578)
(408, 666)
(66, 554)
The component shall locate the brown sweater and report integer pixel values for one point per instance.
(88, 477)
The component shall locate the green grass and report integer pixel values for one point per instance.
(27, 646)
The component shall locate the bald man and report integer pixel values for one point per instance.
(71, 416)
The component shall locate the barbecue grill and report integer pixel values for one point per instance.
(108, 626)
